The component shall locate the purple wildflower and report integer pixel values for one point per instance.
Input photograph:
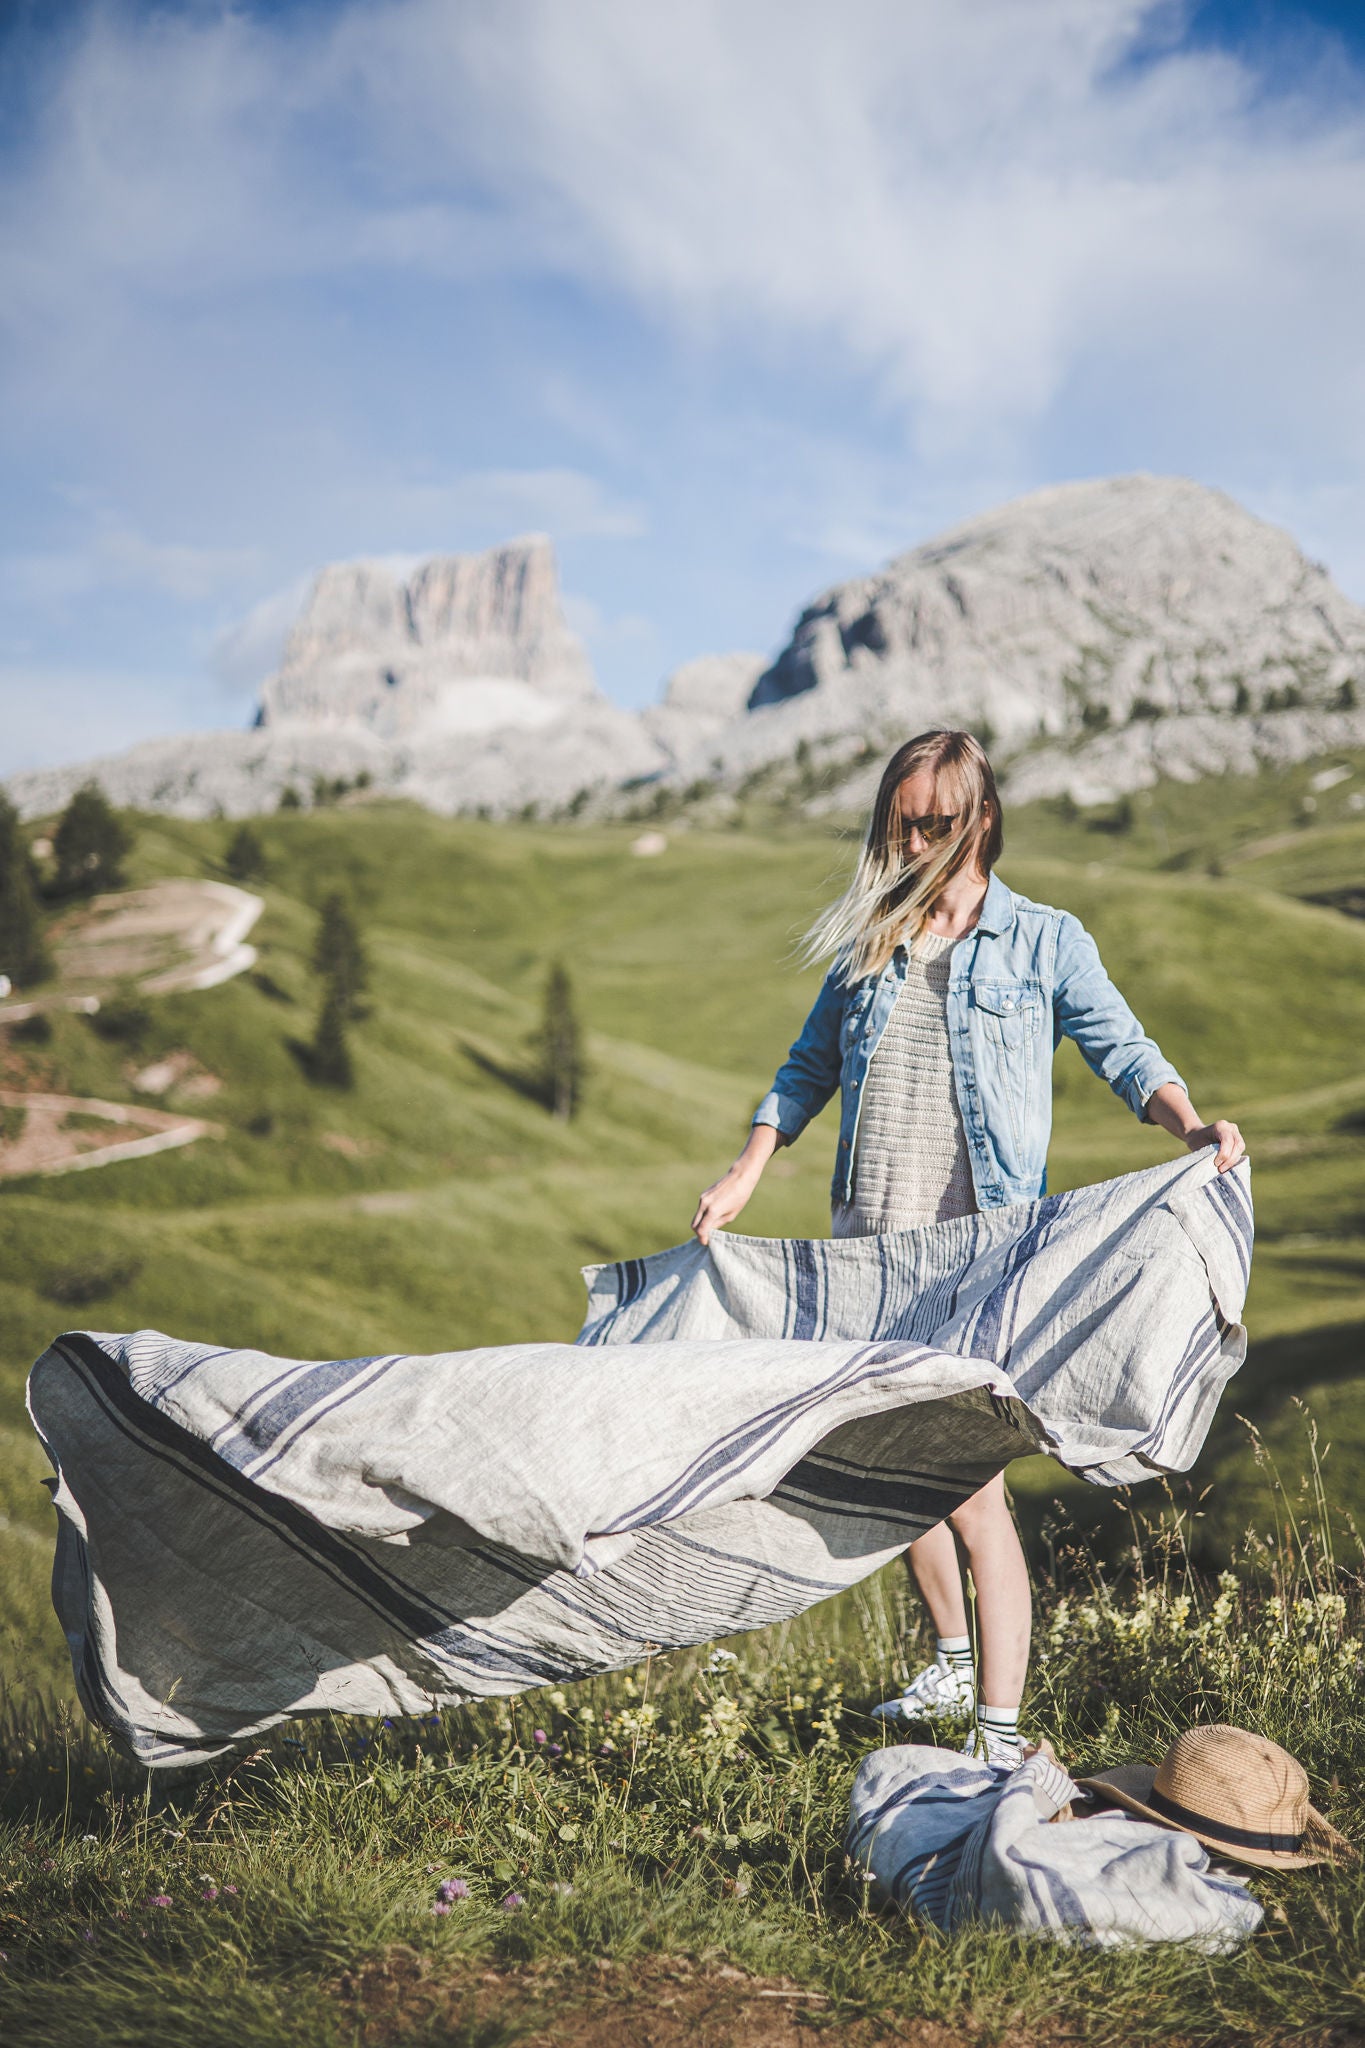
(539, 1738)
(209, 1894)
(231, 1890)
(440, 1909)
(160, 1899)
(554, 1749)
(88, 1934)
(513, 1903)
(451, 1888)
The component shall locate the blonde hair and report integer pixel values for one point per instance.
(890, 896)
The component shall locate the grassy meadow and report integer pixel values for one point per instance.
(689, 1823)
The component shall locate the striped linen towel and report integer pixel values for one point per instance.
(737, 1434)
(950, 1841)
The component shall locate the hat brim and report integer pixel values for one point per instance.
(1130, 1786)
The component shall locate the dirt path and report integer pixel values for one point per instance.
(65, 1133)
(166, 938)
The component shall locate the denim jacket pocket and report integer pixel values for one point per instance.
(1012, 1012)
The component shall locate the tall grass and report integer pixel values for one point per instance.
(693, 1807)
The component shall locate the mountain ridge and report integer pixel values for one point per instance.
(1097, 635)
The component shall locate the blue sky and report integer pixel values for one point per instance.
(732, 297)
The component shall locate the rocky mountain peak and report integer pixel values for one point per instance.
(463, 643)
(1077, 607)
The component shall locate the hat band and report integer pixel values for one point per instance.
(1239, 1838)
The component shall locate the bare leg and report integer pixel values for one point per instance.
(934, 1568)
(1004, 1598)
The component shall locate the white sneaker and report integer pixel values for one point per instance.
(999, 1750)
(939, 1693)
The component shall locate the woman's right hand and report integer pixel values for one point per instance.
(724, 1199)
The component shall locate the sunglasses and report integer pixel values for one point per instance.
(936, 826)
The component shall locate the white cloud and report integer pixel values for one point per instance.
(116, 556)
(967, 202)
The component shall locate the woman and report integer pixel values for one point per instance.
(938, 1020)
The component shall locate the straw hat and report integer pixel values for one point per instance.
(1243, 1797)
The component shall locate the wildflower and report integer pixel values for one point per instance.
(90, 1838)
(160, 1899)
(88, 1935)
(562, 1889)
(721, 1660)
(209, 1894)
(608, 1748)
(540, 1738)
(451, 1888)
(559, 1699)
(513, 1903)
(554, 1749)
(440, 1909)
(231, 1890)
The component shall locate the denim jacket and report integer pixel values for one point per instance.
(1025, 977)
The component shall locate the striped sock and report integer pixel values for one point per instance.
(1002, 1722)
(955, 1653)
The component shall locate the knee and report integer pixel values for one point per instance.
(984, 1512)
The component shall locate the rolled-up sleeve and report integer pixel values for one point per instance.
(809, 1075)
(1088, 1008)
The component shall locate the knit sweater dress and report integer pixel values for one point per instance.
(910, 1164)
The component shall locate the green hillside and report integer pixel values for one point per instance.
(436, 1205)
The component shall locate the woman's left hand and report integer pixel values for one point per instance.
(1225, 1136)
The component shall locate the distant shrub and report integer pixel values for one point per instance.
(34, 1030)
(1346, 696)
(78, 1286)
(1241, 697)
(1094, 717)
(89, 845)
(13, 1117)
(1287, 698)
(1144, 708)
(290, 800)
(245, 856)
(23, 956)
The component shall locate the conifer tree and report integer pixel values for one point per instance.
(560, 1068)
(339, 955)
(89, 843)
(245, 856)
(23, 956)
(329, 1054)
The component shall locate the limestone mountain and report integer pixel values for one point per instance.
(466, 644)
(1096, 635)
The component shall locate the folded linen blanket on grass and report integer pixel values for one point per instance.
(951, 1841)
(737, 1434)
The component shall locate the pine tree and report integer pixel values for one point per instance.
(89, 844)
(560, 1068)
(245, 856)
(23, 956)
(339, 955)
(329, 1056)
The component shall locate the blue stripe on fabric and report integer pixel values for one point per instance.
(159, 1435)
(689, 1490)
(302, 1390)
(807, 1321)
